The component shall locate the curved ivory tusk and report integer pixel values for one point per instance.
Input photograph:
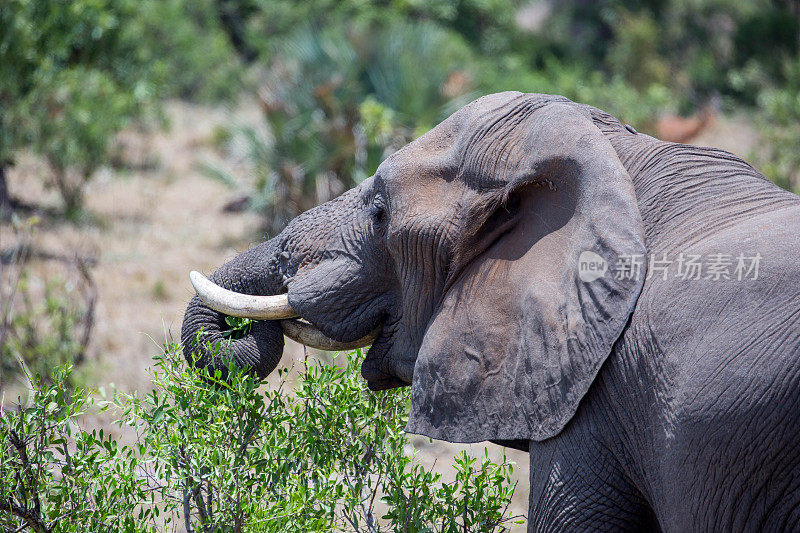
(241, 305)
(270, 308)
(307, 334)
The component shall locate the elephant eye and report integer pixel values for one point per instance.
(378, 210)
(378, 214)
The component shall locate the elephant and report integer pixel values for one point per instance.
(543, 276)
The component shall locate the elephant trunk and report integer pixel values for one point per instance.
(253, 285)
(203, 334)
(249, 286)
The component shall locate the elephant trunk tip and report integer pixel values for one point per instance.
(206, 345)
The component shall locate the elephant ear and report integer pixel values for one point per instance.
(531, 315)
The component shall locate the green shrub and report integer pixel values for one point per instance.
(235, 456)
(317, 143)
(75, 72)
(697, 48)
(71, 75)
(55, 476)
(187, 40)
(44, 321)
(261, 26)
(778, 121)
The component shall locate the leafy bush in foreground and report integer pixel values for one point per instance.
(234, 456)
(55, 476)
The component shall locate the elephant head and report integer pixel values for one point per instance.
(461, 254)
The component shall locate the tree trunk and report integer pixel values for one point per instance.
(5, 199)
(231, 17)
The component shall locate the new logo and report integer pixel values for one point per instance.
(591, 266)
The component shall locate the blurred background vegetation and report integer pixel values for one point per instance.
(342, 83)
(312, 95)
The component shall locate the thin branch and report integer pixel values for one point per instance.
(33, 517)
(32, 520)
(187, 509)
(90, 294)
(201, 506)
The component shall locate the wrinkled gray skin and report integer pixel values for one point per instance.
(464, 246)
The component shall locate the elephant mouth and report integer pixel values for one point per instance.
(374, 368)
(273, 308)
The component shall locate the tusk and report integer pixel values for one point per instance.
(271, 308)
(307, 334)
(241, 305)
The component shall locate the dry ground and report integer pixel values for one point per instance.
(150, 227)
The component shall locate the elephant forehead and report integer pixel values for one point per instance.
(448, 134)
(471, 145)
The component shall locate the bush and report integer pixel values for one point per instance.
(44, 322)
(779, 125)
(231, 455)
(696, 47)
(188, 41)
(334, 106)
(259, 27)
(73, 73)
(55, 476)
